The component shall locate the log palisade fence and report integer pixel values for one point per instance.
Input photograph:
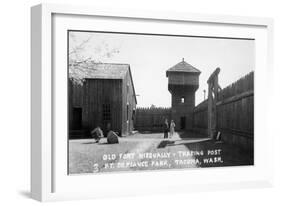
(235, 113)
(151, 119)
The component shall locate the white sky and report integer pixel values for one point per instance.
(150, 56)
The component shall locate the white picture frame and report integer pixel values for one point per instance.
(49, 180)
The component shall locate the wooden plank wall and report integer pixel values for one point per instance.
(235, 110)
(96, 93)
(128, 97)
(151, 119)
(200, 118)
(75, 99)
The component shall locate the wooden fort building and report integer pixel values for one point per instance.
(183, 81)
(106, 97)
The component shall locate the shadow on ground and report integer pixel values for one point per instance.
(165, 143)
(232, 155)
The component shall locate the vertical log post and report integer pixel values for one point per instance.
(210, 106)
(213, 89)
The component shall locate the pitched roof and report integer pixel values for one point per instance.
(102, 70)
(92, 70)
(183, 67)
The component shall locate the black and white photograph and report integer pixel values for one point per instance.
(142, 102)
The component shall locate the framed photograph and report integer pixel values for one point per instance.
(136, 102)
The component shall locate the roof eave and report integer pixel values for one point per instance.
(130, 73)
(174, 71)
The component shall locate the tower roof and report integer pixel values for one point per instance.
(183, 67)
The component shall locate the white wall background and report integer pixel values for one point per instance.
(15, 101)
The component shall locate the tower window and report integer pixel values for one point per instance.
(182, 99)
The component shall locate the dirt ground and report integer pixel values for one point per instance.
(150, 151)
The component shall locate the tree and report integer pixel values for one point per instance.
(84, 51)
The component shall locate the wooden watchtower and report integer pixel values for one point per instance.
(183, 81)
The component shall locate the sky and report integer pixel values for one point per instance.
(150, 56)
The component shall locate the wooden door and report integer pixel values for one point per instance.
(77, 118)
(183, 121)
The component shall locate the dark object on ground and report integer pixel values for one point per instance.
(218, 136)
(112, 138)
(97, 134)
